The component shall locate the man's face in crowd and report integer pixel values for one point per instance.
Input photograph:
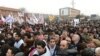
(56, 38)
(63, 45)
(91, 45)
(98, 54)
(16, 37)
(9, 53)
(97, 51)
(75, 38)
(68, 40)
(52, 43)
(40, 49)
(85, 30)
(25, 38)
(65, 33)
(9, 36)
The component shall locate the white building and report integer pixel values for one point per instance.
(68, 12)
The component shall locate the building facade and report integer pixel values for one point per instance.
(6, 11)
(68, 13)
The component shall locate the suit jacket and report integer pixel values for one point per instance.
(55, 50)
(62, 52)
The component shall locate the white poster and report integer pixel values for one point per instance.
(76, 22)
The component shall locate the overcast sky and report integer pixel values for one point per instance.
(52, 6)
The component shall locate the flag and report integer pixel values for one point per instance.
(30, 20)
(41, 19)
(9, 19)
(35, 20)
(51, 18)
(3, 19)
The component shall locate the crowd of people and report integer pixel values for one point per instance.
(50, 40)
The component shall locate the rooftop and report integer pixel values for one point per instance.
(10, 9)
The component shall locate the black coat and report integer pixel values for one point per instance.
(56, 49)
(62, 52)
(66, 52)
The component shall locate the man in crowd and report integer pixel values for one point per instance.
(52, 46)
(63, 48)
(97, 51)
(41, 49)
(88, 52)
(18, 41)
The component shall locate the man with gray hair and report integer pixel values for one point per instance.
(97, 51)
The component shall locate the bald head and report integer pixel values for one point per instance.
(75, 37)
(63, 44)
(97, 51)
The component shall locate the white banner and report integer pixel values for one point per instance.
(76, 21)
(41, 19)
